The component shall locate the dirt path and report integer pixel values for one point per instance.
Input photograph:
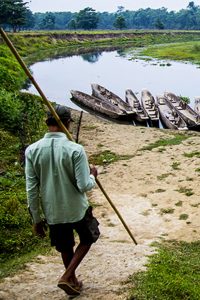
(150, 193)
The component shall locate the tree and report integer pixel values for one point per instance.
(13, 13)
(192, 6)
(119, 22)
(48, 22)
(120, 9)
(30, 20)
(87, 19)
(159, 24)
(72, 24)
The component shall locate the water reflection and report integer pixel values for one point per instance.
(117, 72)
(91, 57)
(50, 55)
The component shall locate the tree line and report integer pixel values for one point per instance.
(15, 15)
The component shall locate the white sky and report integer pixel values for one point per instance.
(104, 5)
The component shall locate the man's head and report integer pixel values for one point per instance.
(64, 114)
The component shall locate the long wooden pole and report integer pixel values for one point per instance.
(50, 107)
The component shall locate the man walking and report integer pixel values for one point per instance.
(57, 177)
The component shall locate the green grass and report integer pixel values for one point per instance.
(173, 273)
(175, 165)
(179, 203)
(192, 154)
(17, 242)
(183, 217)
(163, 176)
(160, 191)
(107, 157)
(89, 127)
(188, 51)
(184, 190)
(166, 211)
(17, 262)
(195, 205)
(189, 179)
(176, 140)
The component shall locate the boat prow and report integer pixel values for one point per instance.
(106, 95)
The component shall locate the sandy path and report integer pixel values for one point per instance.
(145, 189)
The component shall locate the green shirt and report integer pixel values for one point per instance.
(57, 177)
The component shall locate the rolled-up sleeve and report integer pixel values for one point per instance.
(84, 180)
(32, 190)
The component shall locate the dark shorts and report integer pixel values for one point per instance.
(62, 235)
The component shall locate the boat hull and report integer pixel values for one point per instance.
(104, 94)
(98, 107)
(197, 105)
(191, 118)
(150, 107)
(169, 118)
(141, 116)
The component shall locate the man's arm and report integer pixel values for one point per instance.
(85, 177)
(32, 190)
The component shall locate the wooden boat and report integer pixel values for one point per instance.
(169, 116)
(191, 118)
(133, 101)
(98, 106)
(197, 105)
(150, 107)
(106, 95)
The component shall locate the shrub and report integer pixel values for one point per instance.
(12, 76)
(21, 113)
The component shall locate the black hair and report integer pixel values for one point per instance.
(51, 121)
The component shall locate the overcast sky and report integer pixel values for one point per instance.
(104, 5)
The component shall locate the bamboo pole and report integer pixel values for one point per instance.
(50, 107)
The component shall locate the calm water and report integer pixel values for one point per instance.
(115, 72)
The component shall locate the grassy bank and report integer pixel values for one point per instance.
(21, 123)
(188, 51)
(28, 43)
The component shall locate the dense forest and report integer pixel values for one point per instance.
(15, 15)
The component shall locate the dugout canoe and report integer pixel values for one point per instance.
(150, 107)
(98, 106)
(133, 101)
(191, 117)
(169, 116)
(108, 96)
(197, 105)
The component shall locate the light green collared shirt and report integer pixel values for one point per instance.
(57, 172)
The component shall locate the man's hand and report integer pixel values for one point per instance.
(93, 171)
(40, 228)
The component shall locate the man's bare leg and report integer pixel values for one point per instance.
(67, 257)
(69, 275)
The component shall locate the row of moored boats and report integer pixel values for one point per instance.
(173, 112)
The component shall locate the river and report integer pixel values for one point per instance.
(116, 71)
